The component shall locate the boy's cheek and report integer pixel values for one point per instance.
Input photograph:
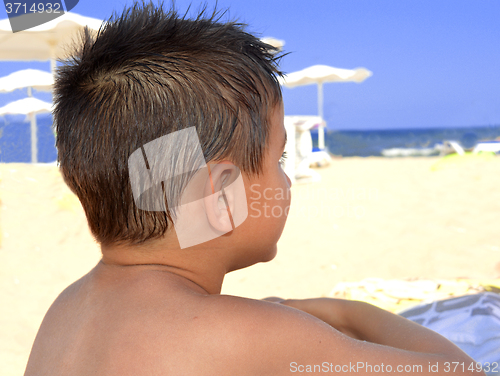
(254, 211)
(269, 206)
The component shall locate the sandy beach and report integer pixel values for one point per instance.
(368, 217)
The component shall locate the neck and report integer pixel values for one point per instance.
(198, 269)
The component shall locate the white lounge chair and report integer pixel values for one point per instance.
(487, 146)
(450, 147)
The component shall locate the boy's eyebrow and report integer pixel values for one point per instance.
(284, 144)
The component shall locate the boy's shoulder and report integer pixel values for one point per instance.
(139, 324)
(267, 338)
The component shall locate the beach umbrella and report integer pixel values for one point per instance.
(28, 106)
(30, 78)
(47, 41)
(320, 74)
(276, 43)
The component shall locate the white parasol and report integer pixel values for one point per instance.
(276, 43)
(320, 74)
(48, 41)
(28, 106)
(30, 78)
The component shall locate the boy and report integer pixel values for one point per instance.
(125, 110)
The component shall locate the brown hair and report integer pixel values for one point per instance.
(145, 74)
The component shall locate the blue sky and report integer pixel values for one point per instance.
(435, 63)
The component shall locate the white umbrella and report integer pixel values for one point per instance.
(30, 78)
(48, 41)
(28, 106)
(276, 43)
(320, 74)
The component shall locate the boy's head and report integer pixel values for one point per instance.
(146, 74)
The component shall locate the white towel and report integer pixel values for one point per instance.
(472, 322)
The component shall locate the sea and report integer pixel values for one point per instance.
(15, 140)
(403, 142)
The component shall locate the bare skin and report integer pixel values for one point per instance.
(157, 309)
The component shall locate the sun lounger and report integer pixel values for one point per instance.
(450, 147)
(487, 146)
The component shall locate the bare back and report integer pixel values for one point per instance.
(137, 322)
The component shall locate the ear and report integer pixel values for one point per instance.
(226, 207)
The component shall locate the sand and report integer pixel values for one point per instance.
(368, 217)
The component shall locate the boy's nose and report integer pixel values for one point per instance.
(288, 180)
